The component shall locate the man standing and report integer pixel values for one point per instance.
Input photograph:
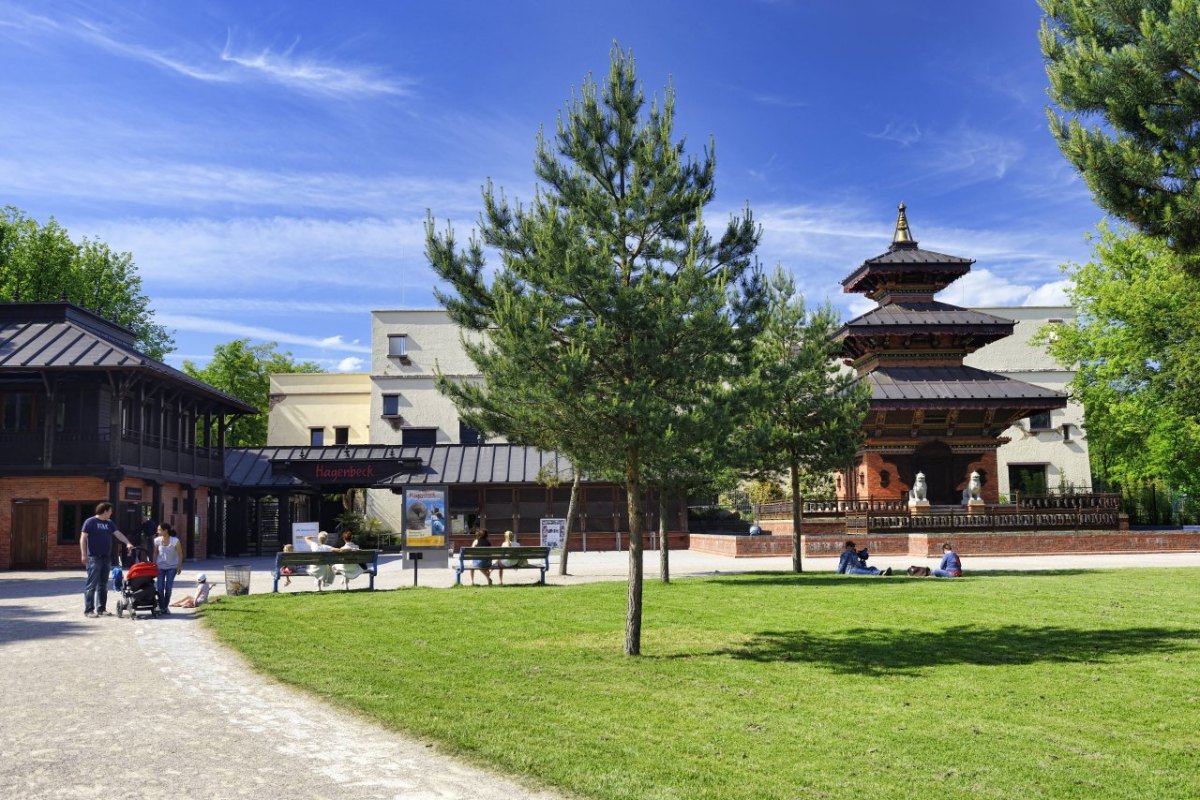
(149, 530)
(95, 549)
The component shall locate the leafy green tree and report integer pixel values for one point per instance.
(613, 308)
(40, 263)
(1135, 348)
(803, 414)
(1133, 67)
(243, 370)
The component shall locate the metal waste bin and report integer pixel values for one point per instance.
(237, 579)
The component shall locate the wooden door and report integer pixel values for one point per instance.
(31, 521)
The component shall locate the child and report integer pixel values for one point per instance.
(287, 572)
(203, 587)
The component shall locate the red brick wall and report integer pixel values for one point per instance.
(676, 540)
(78, 489)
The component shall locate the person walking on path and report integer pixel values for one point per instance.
(95, 551)
(168, 555)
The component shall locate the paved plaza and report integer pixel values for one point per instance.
(103, 707)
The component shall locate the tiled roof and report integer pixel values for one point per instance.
(443, 464)
(956, 387)
(923, 315)
(915, 255)
(47, 337)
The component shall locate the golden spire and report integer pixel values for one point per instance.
(903, 235)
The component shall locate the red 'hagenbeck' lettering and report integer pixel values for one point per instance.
(340, 473)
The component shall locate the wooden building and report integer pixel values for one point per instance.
(84, 418)
(929, 413)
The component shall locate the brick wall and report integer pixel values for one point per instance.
(60, 489)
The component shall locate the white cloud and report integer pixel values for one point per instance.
(967, 155)
(350, 364)
(984, 288)
(237, 330)
(1050, 294)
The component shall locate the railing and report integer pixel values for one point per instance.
(76, 448)
(827, 508)
(991, 519)
(1105, 501)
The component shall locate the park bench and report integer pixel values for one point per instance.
(524, 556)
(367, 559)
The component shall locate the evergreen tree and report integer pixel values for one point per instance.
(243, 370)
(612, 308)
(1134, 67)
(805, 415)
(40, 263)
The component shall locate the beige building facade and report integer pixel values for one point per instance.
(1047, 451)
(319, 409)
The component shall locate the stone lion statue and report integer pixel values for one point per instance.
(973, 492)
(919, 490)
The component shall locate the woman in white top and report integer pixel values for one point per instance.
(168, 555)
(322, 572)
(348, 571)
(510, 540)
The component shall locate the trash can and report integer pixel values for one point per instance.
(237, 579)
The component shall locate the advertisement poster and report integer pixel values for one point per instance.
(425, 517)
(553, 533)
(302, 529)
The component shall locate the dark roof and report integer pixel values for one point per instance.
(907, 258)
(956, 387)
(443, 464)
(924, 315)
(60, 337)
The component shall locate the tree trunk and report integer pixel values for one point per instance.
(664, 552)
(572, 508)
(633, 613)
(797, 566)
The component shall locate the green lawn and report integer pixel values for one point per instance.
(1028, 685)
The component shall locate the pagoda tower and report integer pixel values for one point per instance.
(928, 413)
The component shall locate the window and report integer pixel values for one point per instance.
(18, 412)
(398, 345)
(341, 436)
(316, 437)
(71, 517)
(1027, 478)
(1039, 421)
(468, 435)
(391, 405)
(419, 437)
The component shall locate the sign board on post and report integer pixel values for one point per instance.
(300, 530)
(554, 531)
(425, 525)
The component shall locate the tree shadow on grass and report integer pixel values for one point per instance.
(900, 652)
(793, 579)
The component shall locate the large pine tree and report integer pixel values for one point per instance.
(1133, 67)
(613, 308)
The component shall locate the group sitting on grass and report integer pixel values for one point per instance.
(854, 562)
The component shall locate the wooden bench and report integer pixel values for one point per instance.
(524, 556)
(367, 559)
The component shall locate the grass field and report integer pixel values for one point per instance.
(1029, 685)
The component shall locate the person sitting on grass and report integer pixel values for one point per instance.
(851, 563)
(203, 587)
(951, 566)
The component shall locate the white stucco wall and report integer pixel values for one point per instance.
(1017, 357)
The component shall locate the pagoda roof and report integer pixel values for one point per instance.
(956, 387)
(896, 317)
(905, 263)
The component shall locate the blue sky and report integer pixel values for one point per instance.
(270, 164)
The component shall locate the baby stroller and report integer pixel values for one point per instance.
(137, 591)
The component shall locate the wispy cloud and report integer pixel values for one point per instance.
(966, 155)
(779, 101)
(231, 64)
(145, 182)
(225, 328)
(256, 253)
(903, 133)
(307, 74)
